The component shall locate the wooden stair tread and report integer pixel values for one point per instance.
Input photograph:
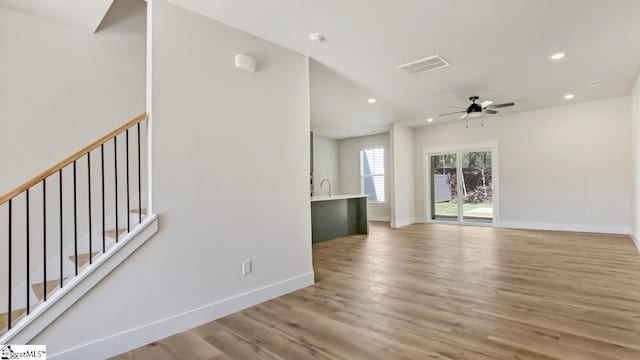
(52, 285)
(138, 211)
(83, 259)
(112, 233)
(15, 315)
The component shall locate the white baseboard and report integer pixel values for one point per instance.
(405, 222)
(142, 335)
(379, 218)
(605, 229)
(635, 240)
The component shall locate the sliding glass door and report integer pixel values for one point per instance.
(477, 189)
(461, 186)
(444, 191)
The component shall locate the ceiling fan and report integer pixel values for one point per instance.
(475, 110)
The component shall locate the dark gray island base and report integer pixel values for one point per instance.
(338, 215)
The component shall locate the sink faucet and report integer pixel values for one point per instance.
(322, 184)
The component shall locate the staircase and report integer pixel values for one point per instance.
(67, 220)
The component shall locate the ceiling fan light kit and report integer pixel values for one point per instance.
(475, 110)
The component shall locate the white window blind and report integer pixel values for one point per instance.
(372, 174)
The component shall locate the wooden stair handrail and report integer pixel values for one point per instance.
(52, 170)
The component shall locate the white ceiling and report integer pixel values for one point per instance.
(85, 13)
(499, 50)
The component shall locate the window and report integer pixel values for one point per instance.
(372, 174)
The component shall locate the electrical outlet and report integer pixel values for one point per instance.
(246, 267)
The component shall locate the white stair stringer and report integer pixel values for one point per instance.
(52, 287)
(19, 291)
(29, 326)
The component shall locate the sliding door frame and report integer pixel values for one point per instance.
(491, 146)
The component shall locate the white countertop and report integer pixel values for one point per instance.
(335, 197)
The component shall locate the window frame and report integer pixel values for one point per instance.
(383, 175)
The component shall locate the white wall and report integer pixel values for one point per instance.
(402, 176)
(325, 164)
(560, 168)
(635, 161)
(349, 170)
(63, 87)
(87, 14)
(231, 182)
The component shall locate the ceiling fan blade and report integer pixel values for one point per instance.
(457, 107)
(498, 106)
(486, 103)
(453, 113)
(463, 116)
(489, 111)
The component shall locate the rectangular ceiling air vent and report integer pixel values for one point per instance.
(430, 63)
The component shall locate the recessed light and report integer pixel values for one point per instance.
(316, 37)
(429, 119)
(371, 100)
(557, 56)
(569, 96)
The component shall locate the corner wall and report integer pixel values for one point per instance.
(325, 165)
(635, 161)
(562, 168)
(349, 170)
(402, 176)
(231, 182)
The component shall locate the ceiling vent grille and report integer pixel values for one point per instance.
(430, 63)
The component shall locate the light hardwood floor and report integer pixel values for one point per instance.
(441, 292)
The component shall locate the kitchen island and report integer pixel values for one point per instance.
(338, 215)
